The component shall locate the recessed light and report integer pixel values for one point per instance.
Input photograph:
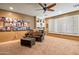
(11, 8)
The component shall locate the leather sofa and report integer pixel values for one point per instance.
(38, 35)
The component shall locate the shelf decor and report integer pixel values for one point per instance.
(12, 24)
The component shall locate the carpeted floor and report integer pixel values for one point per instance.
(50, 46)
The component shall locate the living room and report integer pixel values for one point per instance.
(39, 28)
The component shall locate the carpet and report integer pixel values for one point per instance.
(50, 46)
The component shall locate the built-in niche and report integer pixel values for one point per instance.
(40, 24)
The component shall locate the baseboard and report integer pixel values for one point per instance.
(64, 36)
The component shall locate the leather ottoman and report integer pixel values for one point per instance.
(27, 41)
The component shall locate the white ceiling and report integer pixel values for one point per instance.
(31, 8)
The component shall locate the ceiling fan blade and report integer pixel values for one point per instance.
(52, 5)
(39, 9)
(45, 4)
(50, 9)
(41, 5)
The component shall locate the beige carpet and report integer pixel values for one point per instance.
(50, 46)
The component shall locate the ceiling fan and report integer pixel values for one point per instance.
(47, 8)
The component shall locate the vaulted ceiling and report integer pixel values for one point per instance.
(32, 8)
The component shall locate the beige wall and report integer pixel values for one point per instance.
(13, 35)
(4, 13)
